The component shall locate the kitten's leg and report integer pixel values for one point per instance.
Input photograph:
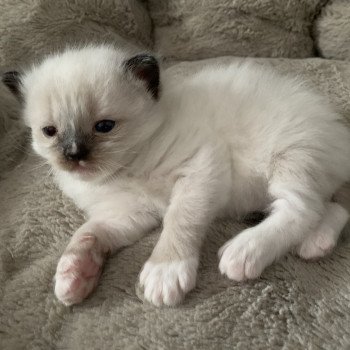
(80, 266)
(324, 238)
(171, 270)
(295, 213)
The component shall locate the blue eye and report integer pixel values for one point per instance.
(104, 125)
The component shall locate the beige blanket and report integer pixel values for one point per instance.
(294, 305)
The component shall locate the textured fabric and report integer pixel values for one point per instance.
(11, 132)
(32, 28)
(332, 30)
(205, 28)
(294, 305)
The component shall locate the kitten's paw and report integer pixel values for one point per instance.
(243, 257)
(78, 270)
(167, 283)
(318, 244)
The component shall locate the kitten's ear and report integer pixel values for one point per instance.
(145, 67)
(13, 81)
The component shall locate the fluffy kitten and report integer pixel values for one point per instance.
(135, 153)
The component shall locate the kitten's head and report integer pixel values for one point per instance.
(91, 109)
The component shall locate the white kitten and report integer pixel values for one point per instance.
(134, 153)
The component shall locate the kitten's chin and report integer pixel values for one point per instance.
(83, 173)
(80, 170)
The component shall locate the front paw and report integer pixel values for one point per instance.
(244, 257)
(167, 283)
(78, 270)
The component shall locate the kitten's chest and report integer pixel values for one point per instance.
(155, 189)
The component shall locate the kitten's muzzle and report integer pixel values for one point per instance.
(75, 152)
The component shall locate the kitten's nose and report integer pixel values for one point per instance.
(76, 152)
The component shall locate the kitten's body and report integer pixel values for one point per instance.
(226, 141)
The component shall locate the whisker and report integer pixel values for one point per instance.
(11, 134)
(38, 166)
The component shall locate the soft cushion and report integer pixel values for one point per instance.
(30, 29)
(196, 29)
(332, 30)
(294, 305)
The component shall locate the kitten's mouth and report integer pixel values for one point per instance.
(81, 168)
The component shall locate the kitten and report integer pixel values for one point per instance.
(135, 153)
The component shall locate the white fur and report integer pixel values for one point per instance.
(321, 242)
(225, 141)
(166, 283)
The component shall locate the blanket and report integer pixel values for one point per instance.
(294, 305)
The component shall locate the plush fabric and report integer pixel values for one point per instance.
(11, 132)
(294, 305)
(332, 30)
(32, 28)
(197, 29)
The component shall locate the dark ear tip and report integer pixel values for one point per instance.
(10, 76)
(145, 67)
(12, 80)
(143, 58)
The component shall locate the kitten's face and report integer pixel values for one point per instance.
(90, 110)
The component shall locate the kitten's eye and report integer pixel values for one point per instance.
(50, 131)
(104, 125)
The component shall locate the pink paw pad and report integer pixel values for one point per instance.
(78, 270)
